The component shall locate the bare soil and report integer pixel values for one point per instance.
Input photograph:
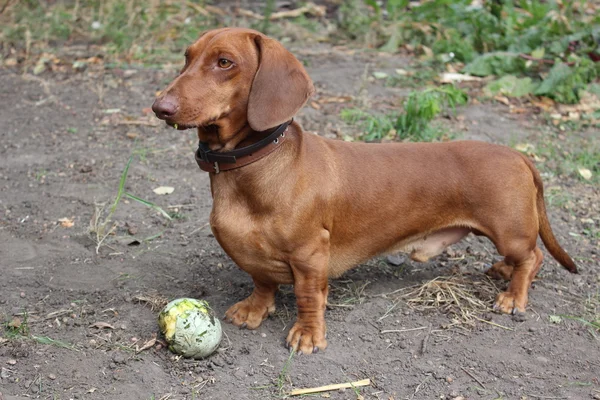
(64, 146)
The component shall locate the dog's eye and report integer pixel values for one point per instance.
(224, 63)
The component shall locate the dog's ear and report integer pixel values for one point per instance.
(280, 88)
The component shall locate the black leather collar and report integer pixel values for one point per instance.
(211, 161)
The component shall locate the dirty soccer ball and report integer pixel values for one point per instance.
(190, 328)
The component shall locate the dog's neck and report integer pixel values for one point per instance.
(224, 136)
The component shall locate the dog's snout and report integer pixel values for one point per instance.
(165, 107)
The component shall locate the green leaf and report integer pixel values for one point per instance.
(511, 86)
(538, 53)
(498, 63)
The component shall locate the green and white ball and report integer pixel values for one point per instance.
(190, 328)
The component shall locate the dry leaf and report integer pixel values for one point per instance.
(449, 77)
(524, 147)
(334, 99)
(163, 190)
(101, 325)
(146, 345)
(15, 323)
(502, 99)
(585, 173)
(544, 103)
(66, 222)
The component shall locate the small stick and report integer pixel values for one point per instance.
(404, 330)
(493, 323)
(474, 377)
(364, 382)
(425, 340)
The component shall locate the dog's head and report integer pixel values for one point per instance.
(234, 78)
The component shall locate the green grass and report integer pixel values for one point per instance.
(566, 158)
(414, 123)
(134, 30)
(20, 329)
(102, 225)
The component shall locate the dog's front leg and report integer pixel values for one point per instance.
(310, 286)
(253, 310)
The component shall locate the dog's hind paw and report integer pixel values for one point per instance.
(508, 303)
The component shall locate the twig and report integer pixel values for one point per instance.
(541, 61)
(419, 386)
(364, 382)
(200, 228)
(474, 377)
(425, 340)
(404, 330)
(537, 396)
(5, 6)
(309, 8)
(492, 323)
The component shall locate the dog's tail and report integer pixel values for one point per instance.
(544, 225)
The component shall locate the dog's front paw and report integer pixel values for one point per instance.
(248, 313)
(305, 339)
(508, 303)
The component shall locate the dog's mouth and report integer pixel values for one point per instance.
(181, 127)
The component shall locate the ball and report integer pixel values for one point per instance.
(190, 328)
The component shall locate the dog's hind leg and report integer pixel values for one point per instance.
(525, 268)
(500, 270)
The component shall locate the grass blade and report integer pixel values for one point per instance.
(121, 186)
(149, 204)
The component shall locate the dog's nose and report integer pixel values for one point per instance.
(165, 107)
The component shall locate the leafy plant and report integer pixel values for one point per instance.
(420, 108)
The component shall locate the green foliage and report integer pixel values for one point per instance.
(565, 82)
(136, 29)
(496, 63)
(522, 38)
(511, 86)
(420, 108)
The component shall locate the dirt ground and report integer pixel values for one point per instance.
(66, 138)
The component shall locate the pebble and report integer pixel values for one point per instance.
(12, 361)
(532, 329)
(449, 379)
(4, 373)
(542, 359)
(52, 376)
(22, 294)
(119, 358)
(263, 335)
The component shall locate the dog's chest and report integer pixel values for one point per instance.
(250, 240)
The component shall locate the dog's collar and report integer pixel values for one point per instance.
(216, 162)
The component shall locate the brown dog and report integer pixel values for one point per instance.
(295, 208)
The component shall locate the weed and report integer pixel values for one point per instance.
(102, 226)
(283, 375)
(568, 158)
(554, 43)
(420, 108)
(130, 29)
